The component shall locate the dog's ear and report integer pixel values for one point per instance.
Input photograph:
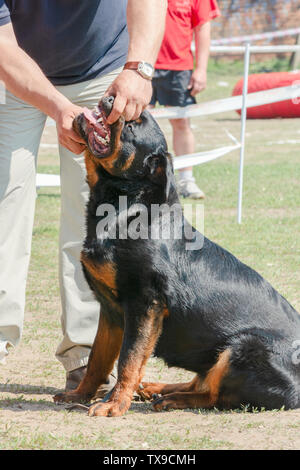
(160, 170)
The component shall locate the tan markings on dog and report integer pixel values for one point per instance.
(149, 388)
(105, 350)
(109, 162)
(205, 397)
(132, 371)
(157, 308)
(91, 168)
(153, 339)
(169, 156)
(103, 273)
(165, 311)
(215, 375)
(128, 162)
(122, 394)
(159, 170)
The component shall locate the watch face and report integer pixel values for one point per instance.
(145, 69)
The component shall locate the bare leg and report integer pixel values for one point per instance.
(183, 144)
(183, 138)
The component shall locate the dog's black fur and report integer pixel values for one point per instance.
(186, 306)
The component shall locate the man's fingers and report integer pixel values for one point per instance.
(65, 131)
(197, 88)
(74, 147)
(138, 111)
(117, 109)
(130, 111)
(190, 85)
(72, 141)
(70, 134)
(109, 92)
(74, 136)
(132, 94)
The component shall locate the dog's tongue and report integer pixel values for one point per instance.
(89, 116)
(98, 127)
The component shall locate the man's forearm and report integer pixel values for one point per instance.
(202, 45)
(23, 77)
(146, 25)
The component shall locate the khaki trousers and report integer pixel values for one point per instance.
(21, 127)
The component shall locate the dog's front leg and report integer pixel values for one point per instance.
(142, 329)
(105, 351)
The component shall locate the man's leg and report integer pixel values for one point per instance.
(184, 144)
(80, 311)
(21, 127)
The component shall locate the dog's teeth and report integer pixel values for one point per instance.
(100, 139)
(100, 119)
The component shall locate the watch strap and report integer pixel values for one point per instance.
(131, 65)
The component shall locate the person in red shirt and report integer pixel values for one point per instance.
(176, 82)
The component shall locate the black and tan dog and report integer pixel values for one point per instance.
(201, 310)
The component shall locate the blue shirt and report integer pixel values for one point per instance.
(71, 40)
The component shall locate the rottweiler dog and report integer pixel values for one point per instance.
(198, 309)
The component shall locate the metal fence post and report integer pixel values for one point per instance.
(243, 130)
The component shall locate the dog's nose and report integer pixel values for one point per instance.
(107, 104)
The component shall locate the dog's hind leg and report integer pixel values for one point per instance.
(208, 394)
(146, 390)
(262, 374)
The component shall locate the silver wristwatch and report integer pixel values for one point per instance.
(145, 69)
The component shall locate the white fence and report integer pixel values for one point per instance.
(256, 37)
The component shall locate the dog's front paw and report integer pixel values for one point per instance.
(110, 408)
(71, 397)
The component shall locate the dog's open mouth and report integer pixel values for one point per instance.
(97, 130)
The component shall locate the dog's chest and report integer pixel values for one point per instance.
(101, 274)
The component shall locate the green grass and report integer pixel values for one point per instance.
(219, 66)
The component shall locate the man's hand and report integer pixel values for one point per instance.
(66, 134)
(132, 94)
(197, 82)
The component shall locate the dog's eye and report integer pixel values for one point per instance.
(130, 127)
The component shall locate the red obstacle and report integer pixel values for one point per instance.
(267, 81)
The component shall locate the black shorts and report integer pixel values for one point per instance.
(170, 88)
